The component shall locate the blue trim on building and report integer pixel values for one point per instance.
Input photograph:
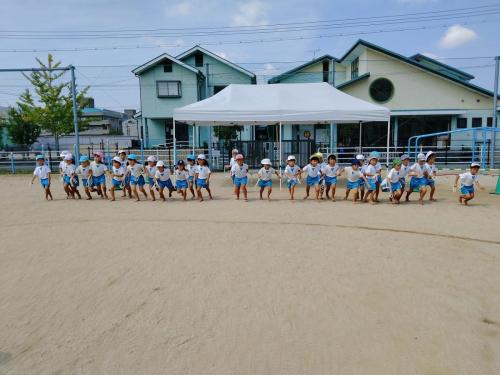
(359, 78)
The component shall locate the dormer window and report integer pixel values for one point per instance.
(198, 60)
(326, 70)
(167, 66)
(355, 68)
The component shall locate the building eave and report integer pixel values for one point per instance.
(164, 56)
(357, 79)
(291, 72)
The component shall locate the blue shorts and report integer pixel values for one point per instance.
(126, 180)
(85, 182)
(396, 186)
(67, 181)
(264, 184)
(330, 180)
(361, 183)
(240, 181)
(151, 181)
(191, 178)
(379, 179)
(312, 181)
(402, 181)
(181, 184)
(137, 180)
(202, 183)
(466, 190)
(116, 183)
(416, 183)
(291, 183)
(44, 182)
(372, 185)
(430, 182)
(99, 180)
(352, 185)
(166, 184)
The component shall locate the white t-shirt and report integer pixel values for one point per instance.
(405, 169)
(162, 176)
(150, 171)
(62, 163)
(42, 171)
(362, 168)
(239, 171)
(330, 171)
(117, 172)
(98, 169)
(311, 170)
(378, 167)
(203, 172)
(191, 169)
(430, 169)
(124, 163)
(370, 172)
(416, 168)
(232, 163)
(136, 170)
(353, 175)
(468, 179)
(394, 175)
(83, 172)
(266, 174)
(291, 172)
(69, 169)
(181, 175)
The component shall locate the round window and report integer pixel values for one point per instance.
(381, 90)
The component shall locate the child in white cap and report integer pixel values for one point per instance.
(150, 174)
(371, 175)
(394, 181)
(362, 166)
(292, 174)
(83, 170)
(467, 181)
(136, 171)
(162, 178)
(70, 178)
(418, 179)
(126, 179)
(330, 172)
(62, 164)
(181, 179)
(98, 171)
(117, 176)
(202, 177)
(313, 172)
(42, 171)
(265, 175)
(405, 169)
(191, 169)
(430, 171)
(240, 172)
(354, 176)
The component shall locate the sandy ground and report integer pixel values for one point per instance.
(227, 287)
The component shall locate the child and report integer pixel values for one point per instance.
(394, 180)
(202, 177)
(126, 180)
(150, 174)
(330, 172)
(405, 169)
(70, 178)
(181, 179)
(118, 175)
(371, 179)
(42, 171)
(362, 165)
(313, 175)
(98, 171)
(292, 173)
(418, 179)
(430, 172)
(467, 181)
(136, 178)
(162, 178)
(83, 170)
(191, 168)
(354, 175)
(240, 171)
(378, 170)
(265, 178)
(62, 164)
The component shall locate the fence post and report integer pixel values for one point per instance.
(50, 157)
(12, 164)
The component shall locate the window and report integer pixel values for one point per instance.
(355, 68)
(477, 122)
(461, 123)
(168, 89)
(198, 59)
(218, 89)
(489, 121)
(381, 90)
(167, 66)
(326, 71)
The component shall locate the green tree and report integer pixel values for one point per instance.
(55, 112)
(227, 133)
(20, 121)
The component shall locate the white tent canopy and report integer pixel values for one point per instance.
(291, 103)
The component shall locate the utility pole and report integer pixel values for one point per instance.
(495, 119)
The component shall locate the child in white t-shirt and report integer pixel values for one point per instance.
(430, 171)
(330, 172)
(150, 170)
(265, 178)
(136, 171)
(467, 181)
(418, 180)
(70, 177)
(42, 171)
(394, 181)
(292, 174)
(354, 176)
(313, 172)
(118, 176)
(98, 171)
(162, 178)
(83, 170)
(202, 177)
(181, 179)
(191, 169)
(240, 171)
(371, 175)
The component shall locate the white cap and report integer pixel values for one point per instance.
(290, 157)
(152, 158)
(68, 156)
(235, 151)
(122, 152)
(420, 156)
(117, 159)
(160, 164)
(475, 164)
(201, 156)
(265, 161)
(64, 153)
(360, 157)
(429, 154)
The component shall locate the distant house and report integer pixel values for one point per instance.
(167, 82)
(103, 121)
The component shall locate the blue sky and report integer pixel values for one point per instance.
(116, 88)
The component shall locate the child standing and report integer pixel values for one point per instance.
(330, 173)
(83, 170)
(362, 166)
(371, 176)
(354, 175)
(181, 179)
(313, 175)
(405, 169)
(240, 171)
(191, 168)
(118, 175)
(292, 173)
(162, 178)
(70, 178)
(265, 178)
(42, 171)
(136, 171)
(394, 180)
(62, 165)
(467, 181)
(126, 180)
(150, 174)
(98, 171)
(430, 172)
(418, 180)
(202, 177)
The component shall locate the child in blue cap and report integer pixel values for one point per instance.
(191, 169)
(136, 171)
(83, 170)
(353, 175)
(42, 171)
(117, 176)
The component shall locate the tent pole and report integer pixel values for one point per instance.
(360, 136)
(388, 140)
(280, 158)
(175, 141)
(194, 135)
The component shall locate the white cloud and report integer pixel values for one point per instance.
(457, 35)
(180, 9)
(251, 13)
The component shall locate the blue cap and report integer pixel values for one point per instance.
(38, 157)
(132, 157)
(354, 161)
(374, 154)
(191, 157)
(84, 158)
(180, 162)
